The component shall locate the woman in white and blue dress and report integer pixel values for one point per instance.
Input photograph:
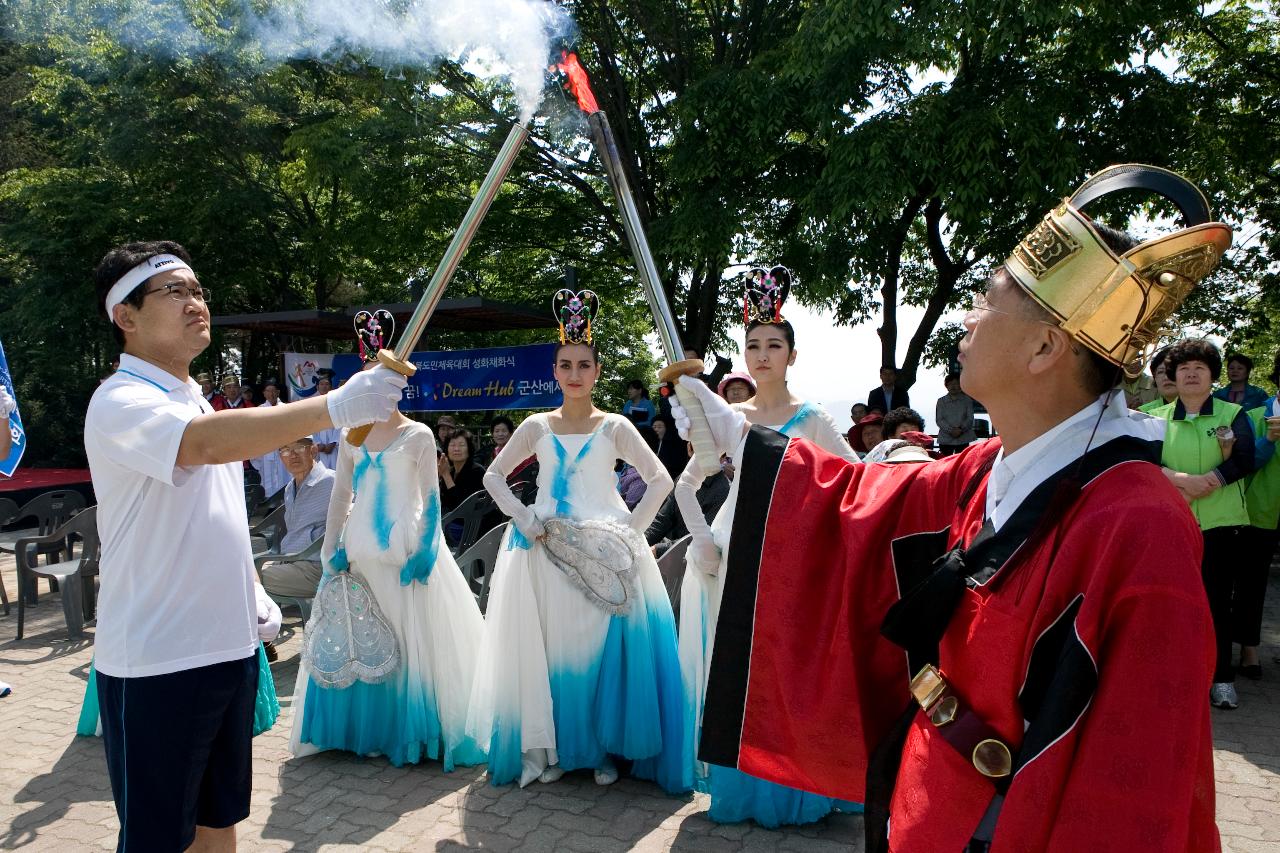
(770, 352)
(563, 684)
(390, 536)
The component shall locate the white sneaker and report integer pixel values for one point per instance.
(551, 774)
(1223, 695)
(607, 773)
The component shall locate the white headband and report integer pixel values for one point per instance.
(136, 276)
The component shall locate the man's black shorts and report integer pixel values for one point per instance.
(179, 751)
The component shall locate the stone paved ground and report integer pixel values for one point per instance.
(54, 793)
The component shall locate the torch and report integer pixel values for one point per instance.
(431, 294)
(575, 77)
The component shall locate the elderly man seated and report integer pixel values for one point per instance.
(306, 503)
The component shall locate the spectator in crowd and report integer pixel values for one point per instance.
(232, 396)
(326, 439)
(500, 428)
(954, 415)
(1143, 389)
(306, 504)
(857, 412)
(460, 474)
(1166, 390)
(669, 447)
(737, 387)
(270, 466)
(1208, 451)
(900, 420)
(639, 409)
(1262, 497)
(445, 427)
(887, 396)
(209, 391)
(630, 485)
(525, 471)
(247, 396)
(1238, 390)
(907, 447)
(867, 433)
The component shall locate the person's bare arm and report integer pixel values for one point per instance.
(235, 434)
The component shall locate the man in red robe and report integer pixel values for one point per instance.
(1008, 649)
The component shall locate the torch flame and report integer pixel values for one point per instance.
(576, 81)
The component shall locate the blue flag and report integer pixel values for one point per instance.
(10, 464)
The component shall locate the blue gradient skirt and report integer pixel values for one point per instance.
(562, 682)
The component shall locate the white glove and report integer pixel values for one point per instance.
(269, 617)
(703, 553)
(7, 403)
(528, 525)
(367, 397)
(726, 423)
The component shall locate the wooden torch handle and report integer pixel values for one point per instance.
(704, 448)
(357, 435)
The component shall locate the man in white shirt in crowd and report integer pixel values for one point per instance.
(306, 505)
(180, 614)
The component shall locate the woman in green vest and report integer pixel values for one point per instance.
(1208, 451)
(1165, 389)
(1262, 497)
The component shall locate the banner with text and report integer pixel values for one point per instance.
(449, 381)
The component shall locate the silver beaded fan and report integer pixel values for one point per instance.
(598, 557)
(348, 639)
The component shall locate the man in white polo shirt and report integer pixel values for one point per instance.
(179, 610)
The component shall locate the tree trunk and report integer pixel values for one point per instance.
(888, 330)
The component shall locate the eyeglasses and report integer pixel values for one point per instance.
(981, 303)
(294, 449)
(181, 293)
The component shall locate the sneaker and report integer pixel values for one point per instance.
(551, 774)
(1223, 695)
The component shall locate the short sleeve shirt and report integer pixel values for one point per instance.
(177, 578)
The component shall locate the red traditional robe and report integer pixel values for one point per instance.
(1083, 638)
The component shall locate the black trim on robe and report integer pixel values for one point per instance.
(726, 699)
(1062, 678)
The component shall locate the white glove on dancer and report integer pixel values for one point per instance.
(7, 403)
(703, 553)
(528, 524)
(727, 424)
(269, 617)
(365, 398)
